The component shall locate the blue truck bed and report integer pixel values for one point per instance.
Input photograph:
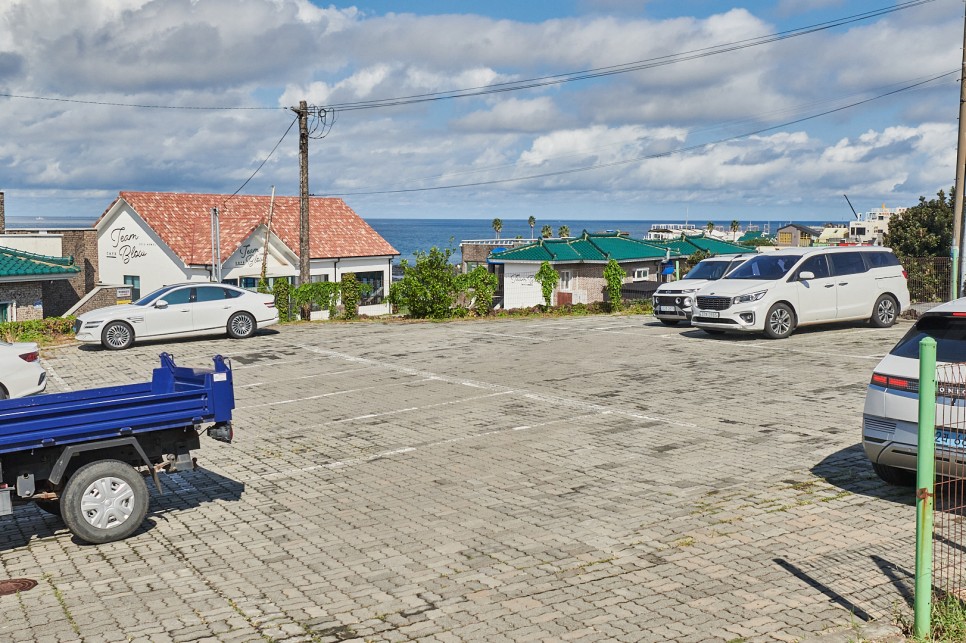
(175, 397)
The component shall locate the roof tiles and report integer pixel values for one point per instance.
(16, 263)
(183, 221)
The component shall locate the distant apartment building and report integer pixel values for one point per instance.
(872, 226)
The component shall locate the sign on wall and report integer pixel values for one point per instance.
(125, 245)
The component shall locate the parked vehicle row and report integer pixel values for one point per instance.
(776, 292)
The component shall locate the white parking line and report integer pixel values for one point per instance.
(52, 374)
(329, 394)
(306, 377)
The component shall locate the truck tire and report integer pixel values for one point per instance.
(117, 336)
(104, 501)
(241, 326)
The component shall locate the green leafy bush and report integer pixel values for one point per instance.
(42, 331)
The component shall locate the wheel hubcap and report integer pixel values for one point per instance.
(242, 325)
(118, 336)
(107, 502)
(780, 322)
(886, 311)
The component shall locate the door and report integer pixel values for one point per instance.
(852, 287)
(173, 319)
(816, 297)
(211, 309)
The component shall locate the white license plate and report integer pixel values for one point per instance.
(710, 313)
(665, 309)
(950, 439)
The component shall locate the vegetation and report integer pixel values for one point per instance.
(546, 232)
(351, 291)
(710, 226)
(696, 256)
(323, 294)
(42, 331)
(497, 227)
(614, 275)
(283, 295)
(760, 241)
(479, 284)
(428, 287)
(532, 222)
(924, 230)
(563, 232)
(547, 277)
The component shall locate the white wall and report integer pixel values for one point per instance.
(246, 261)
(127, 246)
(520, 286)
(49, 245)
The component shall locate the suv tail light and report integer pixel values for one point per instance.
(31, 356)
(905, 275)
(898, 383)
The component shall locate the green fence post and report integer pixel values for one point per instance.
(925, 482)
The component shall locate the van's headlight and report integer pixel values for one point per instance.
(744, 299)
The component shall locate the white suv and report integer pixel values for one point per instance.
(890, 419)
(776, 292)
(673, 301)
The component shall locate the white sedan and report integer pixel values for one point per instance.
(181, 310)
(20, 370)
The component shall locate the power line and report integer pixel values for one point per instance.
(624, 68)
(259, 168)
(680, 150)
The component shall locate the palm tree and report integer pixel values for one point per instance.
(563, 231)
(546, 232)
(497, 226)
(533, 222)
(734, 229)
(710, 226)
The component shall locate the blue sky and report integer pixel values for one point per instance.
(102, 96)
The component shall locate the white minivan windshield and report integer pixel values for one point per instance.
(773, 266)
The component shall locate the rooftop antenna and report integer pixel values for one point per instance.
(850, 205)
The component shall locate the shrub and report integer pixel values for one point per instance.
(42, 331)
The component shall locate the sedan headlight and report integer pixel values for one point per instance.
(744, 299)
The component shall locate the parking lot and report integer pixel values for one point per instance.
(585, 478)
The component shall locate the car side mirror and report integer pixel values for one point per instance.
(160, 304)
(805, 275)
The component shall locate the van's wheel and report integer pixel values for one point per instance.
(241, 325)
(104, 501)
(117, 336)
(780, 322)
(50, 506)
(885, 312)
(894, 475)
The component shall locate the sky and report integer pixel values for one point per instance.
(709, 109)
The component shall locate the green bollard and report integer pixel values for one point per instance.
(925, 486)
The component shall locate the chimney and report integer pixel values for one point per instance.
(3, 216)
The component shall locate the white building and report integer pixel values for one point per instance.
(873, 225)
(148, 239)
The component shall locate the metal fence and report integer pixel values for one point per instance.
(928, 278)
(949, 500)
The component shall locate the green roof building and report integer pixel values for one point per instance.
(22, 279)
(580, 261)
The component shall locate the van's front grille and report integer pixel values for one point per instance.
(713, 303)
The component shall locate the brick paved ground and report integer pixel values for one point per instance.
(587, 479)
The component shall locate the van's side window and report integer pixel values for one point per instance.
(817, 264)
(880, 259)
(847, 263)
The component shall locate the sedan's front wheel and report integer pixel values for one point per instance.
(117, 336)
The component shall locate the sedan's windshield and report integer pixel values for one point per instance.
(149, 299)
(708, 270)
(949, 333)
(764, 267)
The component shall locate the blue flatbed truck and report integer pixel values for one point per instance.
(84, 455)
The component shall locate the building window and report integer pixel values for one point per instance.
(7, 311)
(317, 278)
(230, 282)
(375, 280)
(641, 274)
(564, 283)
(134, 281)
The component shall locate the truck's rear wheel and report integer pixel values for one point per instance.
(104, 501)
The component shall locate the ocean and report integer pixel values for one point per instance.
(409, 235)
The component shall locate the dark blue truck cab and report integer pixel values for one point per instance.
(84, 455)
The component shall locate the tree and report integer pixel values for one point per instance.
(546, 232)
(710, 226)
(734, 229)
(563, 232)
(324, 294)
(532, 221)
(351, 291)
(497, 227)
(428, 287)
(614, 275)
(482, 284)
(924, 230)
(696, 256)
(547, 277)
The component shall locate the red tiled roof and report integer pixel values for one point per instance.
(183, 221)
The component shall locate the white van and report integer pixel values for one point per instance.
(673, 300)
(776, 292)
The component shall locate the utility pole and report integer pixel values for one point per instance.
(954, 251)
(303, 112)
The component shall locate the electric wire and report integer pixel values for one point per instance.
(648, 157)
(259, 168)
